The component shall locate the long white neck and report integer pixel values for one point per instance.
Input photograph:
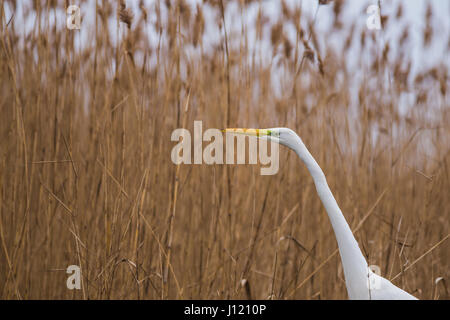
(353, 261)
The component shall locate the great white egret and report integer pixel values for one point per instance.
(361, 282)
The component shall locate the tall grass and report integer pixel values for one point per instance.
(86, 177)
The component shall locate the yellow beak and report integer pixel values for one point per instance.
(249, 132)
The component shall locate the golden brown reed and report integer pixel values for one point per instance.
(86, 176)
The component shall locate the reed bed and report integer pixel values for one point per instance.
(86, 177)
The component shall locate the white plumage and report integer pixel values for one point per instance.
(361, 282)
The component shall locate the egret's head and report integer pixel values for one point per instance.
(283, 136)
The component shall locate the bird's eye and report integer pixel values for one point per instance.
(274, 133)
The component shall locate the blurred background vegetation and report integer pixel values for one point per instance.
(87, 115)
